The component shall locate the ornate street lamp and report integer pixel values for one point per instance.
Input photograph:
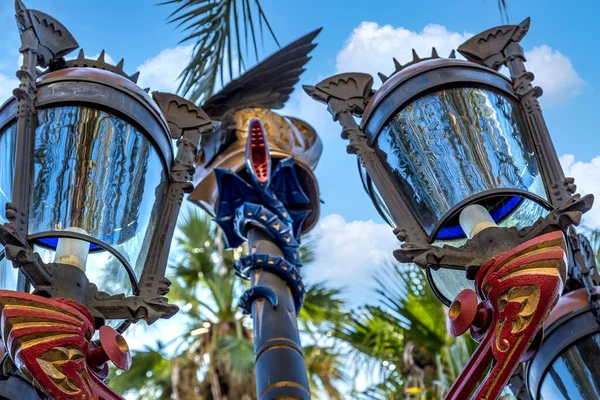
(458, 159)
(92, 190)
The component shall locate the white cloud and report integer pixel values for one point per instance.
(7, 85)
(161, 72)
(555, 74)
(370, 47)
(587, 179)
(348, 253)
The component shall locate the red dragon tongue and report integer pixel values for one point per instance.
(258, 151)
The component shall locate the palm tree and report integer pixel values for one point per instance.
(213, 359)
(222, 31)
(404, 339)
(225, 33)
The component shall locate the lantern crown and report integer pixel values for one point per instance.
(100, 63)
(416, 59)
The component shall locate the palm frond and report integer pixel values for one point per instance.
(237, 352)
(404, 340)
(503, 8)
(321, 304)
(325, 370)
(217, 27)
(149, 373)
(308, 249)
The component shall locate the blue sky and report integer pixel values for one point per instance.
(363, 36)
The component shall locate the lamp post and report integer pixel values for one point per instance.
(92, 189)
(255, 176)
(458, 159)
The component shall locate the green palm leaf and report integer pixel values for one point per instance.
(222, 31)
(150, 374)
(405, 339)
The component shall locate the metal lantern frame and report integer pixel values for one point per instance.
(101, 86)
(351, 94)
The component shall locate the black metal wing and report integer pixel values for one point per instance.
(266, 85)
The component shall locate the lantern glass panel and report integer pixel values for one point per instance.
(375, 196)
(8, 145)
(450, 282)
(575, 373)
(449, 145)
(96, 174)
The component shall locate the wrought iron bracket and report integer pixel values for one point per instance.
(494, 240)
(187, 124)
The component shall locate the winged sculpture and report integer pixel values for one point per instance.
(254, 96)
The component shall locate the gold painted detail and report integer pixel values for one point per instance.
(284, 384)
(48, 341)
(528, 297)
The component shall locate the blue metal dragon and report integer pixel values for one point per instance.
(272, 202)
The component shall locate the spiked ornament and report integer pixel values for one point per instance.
(100, 63)
(416, 59)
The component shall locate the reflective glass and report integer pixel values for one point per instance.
(450, 282)
(374, 194)
(449, 145)
(96, 172)
(575, 374)
(8, 144)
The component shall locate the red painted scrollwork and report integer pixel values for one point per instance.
(49, 340)
(518, 290)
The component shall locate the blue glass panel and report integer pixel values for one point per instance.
(575, 374)
(450, 145)
(8, 144)
(502, 210)
(52, 242)
(96, 172)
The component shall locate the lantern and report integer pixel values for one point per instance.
(450, 148)
(92, 189)
(458, 159)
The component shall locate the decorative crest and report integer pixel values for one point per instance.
(182, 114)
(353, 89)
(416, 59)
(488, 47)
(54, 39)
(100, 63)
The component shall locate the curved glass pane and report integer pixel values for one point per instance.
(374, 194)
(450, 282)
(8, 145)
(449, 145)
(575, 374)
(95, 172)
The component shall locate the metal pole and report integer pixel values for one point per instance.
(280, 366)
